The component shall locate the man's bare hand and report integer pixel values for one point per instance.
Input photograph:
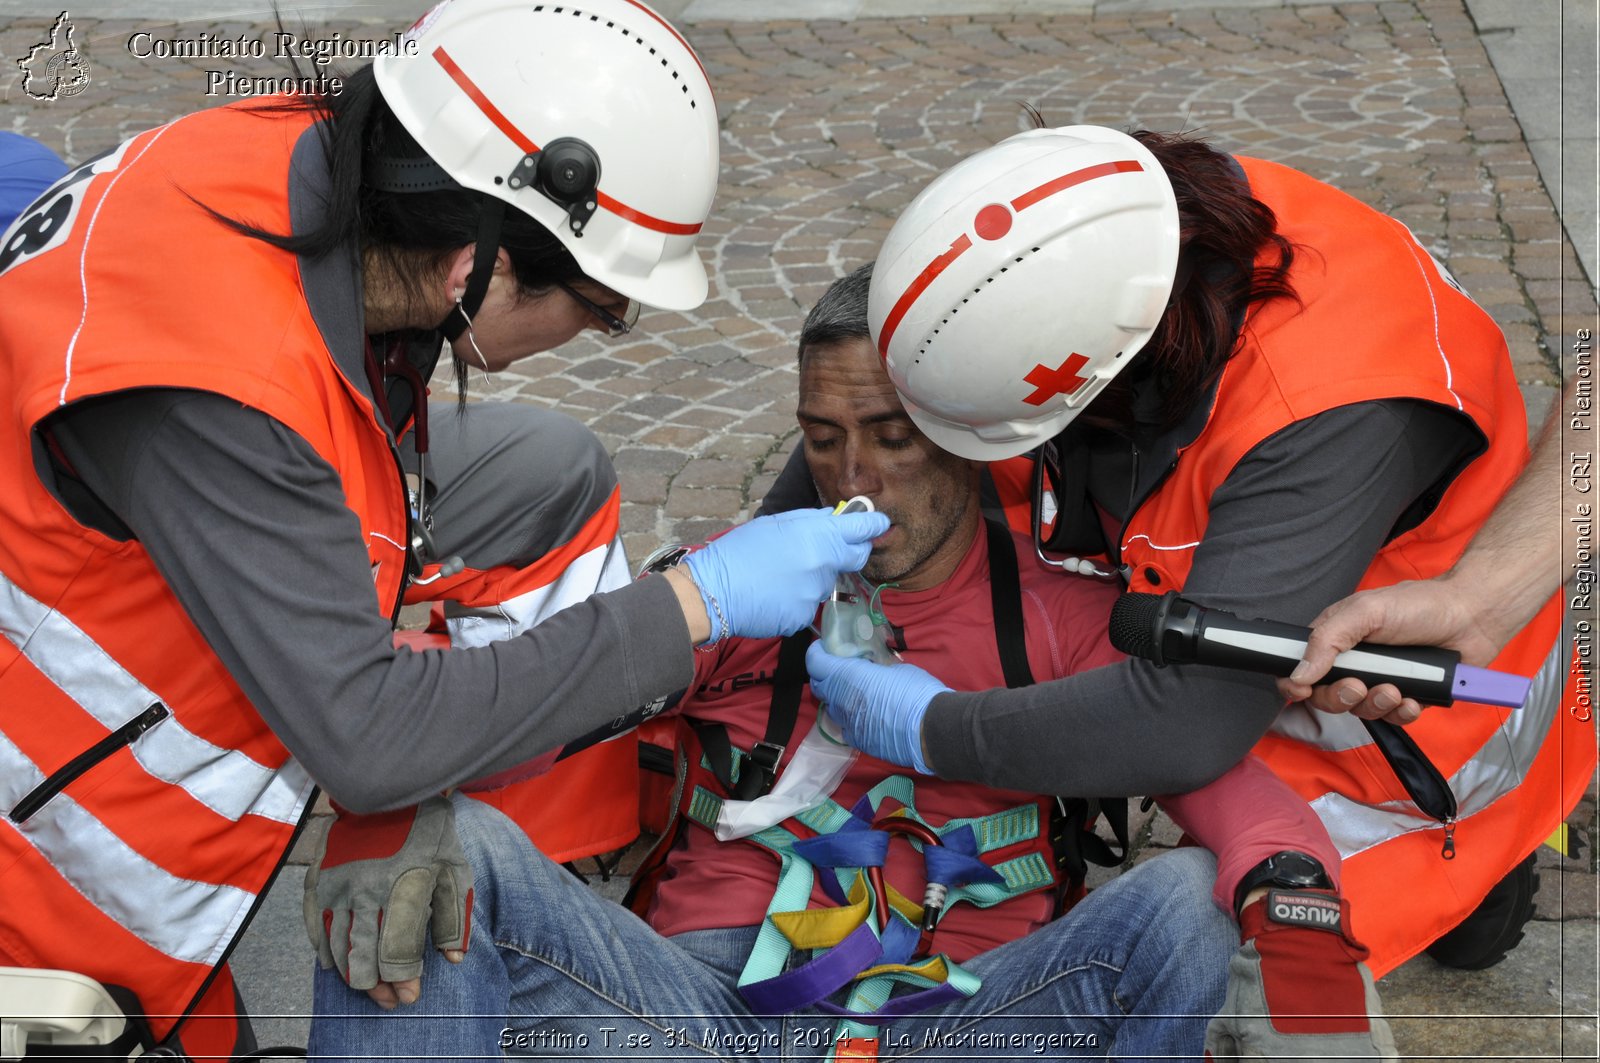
(390, 995)
(1433, 612)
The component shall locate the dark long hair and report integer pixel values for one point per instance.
(412, 233)
(1231, 256)
(1221, 234)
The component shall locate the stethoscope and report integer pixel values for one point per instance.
(420, 546)
(1078, 565)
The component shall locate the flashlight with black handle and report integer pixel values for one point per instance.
(1167, 629)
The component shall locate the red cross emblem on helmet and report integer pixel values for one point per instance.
(1063, 380)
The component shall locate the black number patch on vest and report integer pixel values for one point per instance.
(47, 222)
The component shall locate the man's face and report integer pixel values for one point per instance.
(859, 441)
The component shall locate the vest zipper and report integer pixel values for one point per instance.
(1135, 503)
(405, 562)
(63, 776)
(1423, 781)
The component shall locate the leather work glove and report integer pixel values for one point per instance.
(766, 577)
(879, 707)
(377, 886)
(1297, 987)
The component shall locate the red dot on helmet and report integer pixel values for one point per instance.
(992, 222)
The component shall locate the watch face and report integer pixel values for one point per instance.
(1289, 869)
(1296, 869)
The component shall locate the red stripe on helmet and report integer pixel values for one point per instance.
(918, 286)
(1076, 177)
(622, 210)
(477, 96)
(528, 147)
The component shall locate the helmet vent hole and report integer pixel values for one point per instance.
(965, 299)
(612, 24)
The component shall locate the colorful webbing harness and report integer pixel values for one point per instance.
(876, 937)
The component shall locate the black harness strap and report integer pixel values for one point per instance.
(788, 683)
(1072, 835)
(1005, 594)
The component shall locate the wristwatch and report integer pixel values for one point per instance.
(1289, 868)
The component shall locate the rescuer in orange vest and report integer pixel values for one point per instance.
(218, 487)
(1499, 584)
(1245, 385)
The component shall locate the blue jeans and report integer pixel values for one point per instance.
(1133, 972)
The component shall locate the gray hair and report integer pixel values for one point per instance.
(841, 313)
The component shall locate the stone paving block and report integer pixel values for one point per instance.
(705, 472)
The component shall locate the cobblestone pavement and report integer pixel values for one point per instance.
(830, 127)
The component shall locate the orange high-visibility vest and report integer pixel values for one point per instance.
(155, 804)
(1376, 318)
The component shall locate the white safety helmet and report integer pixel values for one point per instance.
(595, 118)
(1019, 282)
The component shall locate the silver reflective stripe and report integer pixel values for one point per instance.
(226, 781)
(178, 917)
(1332, 731)
(1498, 767)
(603, 568)
(1505, 758)
(1355, 827)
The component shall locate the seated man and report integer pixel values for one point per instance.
(1135, 970)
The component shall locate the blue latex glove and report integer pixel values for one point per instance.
(879, 707)
(766, 577)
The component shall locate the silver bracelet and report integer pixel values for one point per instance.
(720, 629)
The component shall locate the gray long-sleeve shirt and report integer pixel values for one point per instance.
(250, 528)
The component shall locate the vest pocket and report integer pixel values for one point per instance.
(63, 776)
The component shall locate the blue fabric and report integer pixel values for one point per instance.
(899, 940)
(900, 1007)
(1137, 969)
(952, 867)
(861, 848)
(27, 168)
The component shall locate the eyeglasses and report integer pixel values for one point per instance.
(615, 326)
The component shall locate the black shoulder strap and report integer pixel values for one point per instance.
(1005, 592)
(758, 769)
(1072, 830)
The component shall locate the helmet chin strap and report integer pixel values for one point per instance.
(488, 248)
